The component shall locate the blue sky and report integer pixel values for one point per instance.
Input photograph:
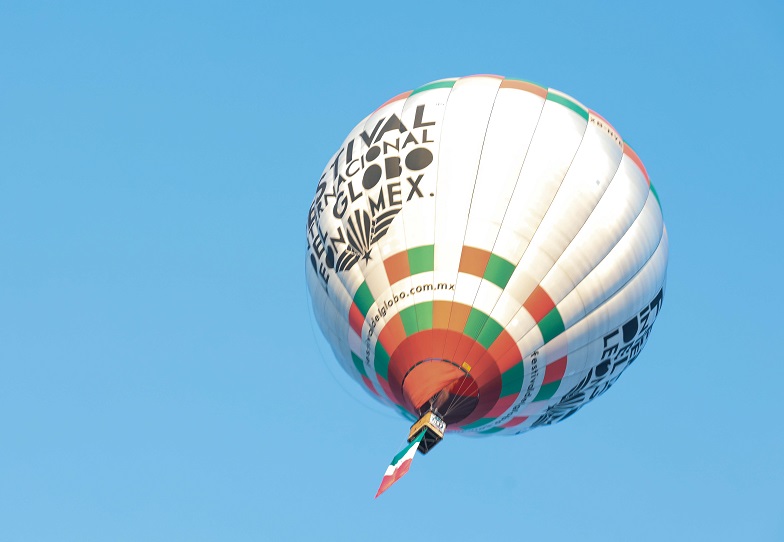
(159, 375)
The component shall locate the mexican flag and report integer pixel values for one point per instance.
(400, 464)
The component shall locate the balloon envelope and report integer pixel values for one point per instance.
(487, 248)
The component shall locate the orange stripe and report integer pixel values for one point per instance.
(396, 98)
(494, 76)
(515, 421)
(604, 120)
(355, 319)
(459, 317)
(627, 150)
(505, 352)
(503, 343)
(427, 379)
(419, 350)
(441, 310)
(399, 366)
(428, 344)
(465, 353)
(413, 349)
(507, 360)
(393, 334)
(457, 321)
(554, 371)
(474, 261)
(538, 304)
(526, 86)
(501, 406)
(397, 267)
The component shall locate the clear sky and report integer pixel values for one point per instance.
(159, 376)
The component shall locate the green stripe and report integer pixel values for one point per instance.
(402, 453)
(409, 319)
(491, 430)
(417, 317)
(499, 270)
(567, 103)
(475, 323)
(405, 413)
(381, 361)
(551, 325)
(482, 328)
(437, 84)
(656, 195)
(420, 259)
(358, 364)
(424, 314)
(547, 391)
(364, 299)
(512, 380)
(524, 81)
(489, 333)
(477, 423)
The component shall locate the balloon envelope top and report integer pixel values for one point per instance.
(488, 249)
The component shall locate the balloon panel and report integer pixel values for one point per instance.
(488, 246)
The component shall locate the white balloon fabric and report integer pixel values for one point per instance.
(487, 248)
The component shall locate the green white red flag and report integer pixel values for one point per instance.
(400, 464)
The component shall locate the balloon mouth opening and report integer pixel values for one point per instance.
(442, 386)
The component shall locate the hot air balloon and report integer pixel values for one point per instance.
(485, 256)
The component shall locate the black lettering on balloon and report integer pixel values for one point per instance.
(354, 197)
(339, 239)
(350, 151)
(415, 187)
(335, 164)
(621, 348)
(341, 180)
(629, 330)
(393, 191)
(368, 139)
(324, 274)
(341, 204)
(392, 124)
(410, 139)
(392, 167)
(395, 145)
(336, 250)
(372, 153)
(330, 259)
(377, 205)
(371, 177)
(353, 164)
(318, 246)
(420, 112)
(419, 159)
(657, 301)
